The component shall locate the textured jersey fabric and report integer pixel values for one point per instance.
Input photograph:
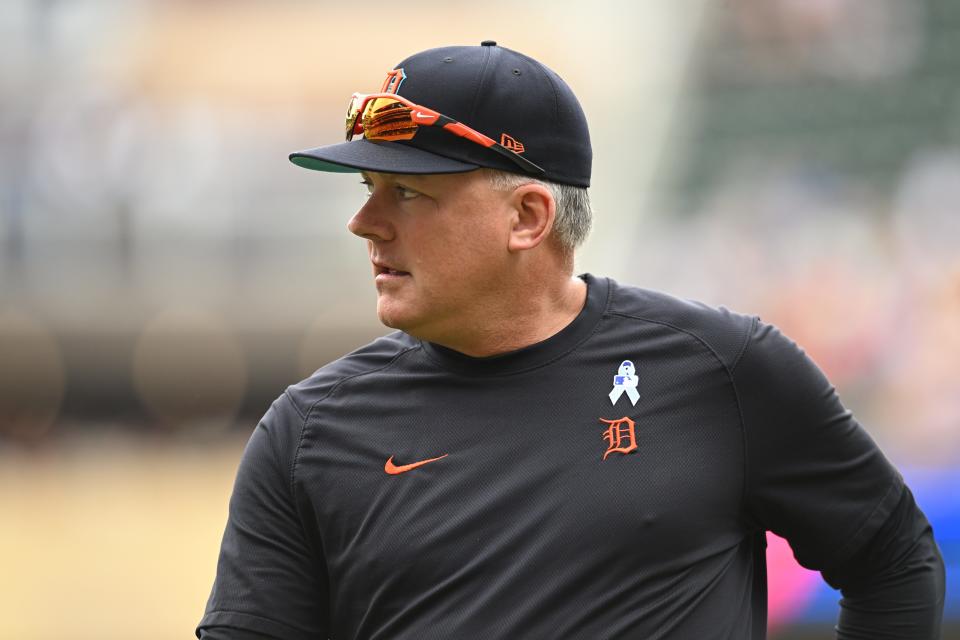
(548, 505)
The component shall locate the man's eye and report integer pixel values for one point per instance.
(369, 186)
(406, 194)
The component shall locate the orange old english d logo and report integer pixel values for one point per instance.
(394, 79)
(621, 436)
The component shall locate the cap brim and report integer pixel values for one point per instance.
(382, 157)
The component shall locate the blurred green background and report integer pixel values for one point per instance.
(165, 272)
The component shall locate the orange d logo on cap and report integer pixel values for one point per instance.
(393, 81)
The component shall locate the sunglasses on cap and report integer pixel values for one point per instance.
(389, 117)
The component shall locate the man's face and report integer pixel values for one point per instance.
(438, 244)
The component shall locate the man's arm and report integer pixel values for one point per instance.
(816, 478)
(271, 579)
(893, 587)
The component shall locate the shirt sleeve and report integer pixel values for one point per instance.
(816, 478)
(895, 586)
(813, 474)
(271, 578)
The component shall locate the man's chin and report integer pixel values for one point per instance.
(407, 320)
(388, 321)
(394, 316)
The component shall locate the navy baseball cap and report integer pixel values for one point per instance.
(515, 101)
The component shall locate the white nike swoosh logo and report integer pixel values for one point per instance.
(422, 116)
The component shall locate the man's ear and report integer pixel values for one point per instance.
(534, 210)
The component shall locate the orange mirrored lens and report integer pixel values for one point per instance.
(387, 119)
(352, 112)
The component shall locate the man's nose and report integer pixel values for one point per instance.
(371, 221)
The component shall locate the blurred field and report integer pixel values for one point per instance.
(109, 537)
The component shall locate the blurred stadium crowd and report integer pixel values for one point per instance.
(164, 270)
(818, 184)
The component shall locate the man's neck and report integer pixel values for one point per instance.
(522, 318)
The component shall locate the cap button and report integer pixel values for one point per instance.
(488, 43)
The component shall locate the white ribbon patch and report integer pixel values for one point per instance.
(625, 382)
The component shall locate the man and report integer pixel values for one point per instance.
(538, 455)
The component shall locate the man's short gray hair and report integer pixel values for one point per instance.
(574, 216)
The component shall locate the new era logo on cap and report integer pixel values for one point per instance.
(511, 143)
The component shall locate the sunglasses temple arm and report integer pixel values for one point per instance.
(526, 165)
(464, 131)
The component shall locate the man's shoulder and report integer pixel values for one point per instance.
(724, 331)
(370, 358)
